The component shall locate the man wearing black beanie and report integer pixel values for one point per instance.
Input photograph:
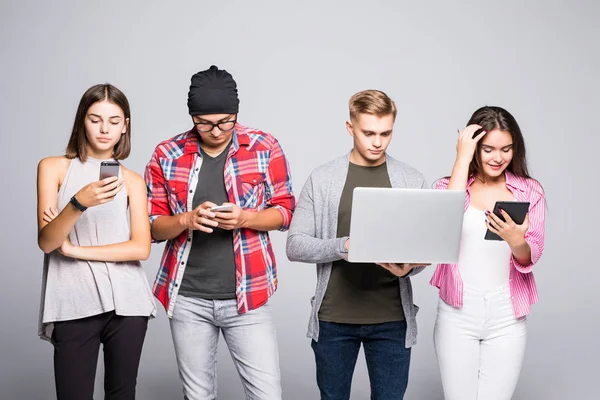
(218, 267)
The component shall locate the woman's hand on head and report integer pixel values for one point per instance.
(467, 144)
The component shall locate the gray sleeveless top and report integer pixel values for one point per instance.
(73, 289)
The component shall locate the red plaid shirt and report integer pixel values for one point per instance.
(257, 177)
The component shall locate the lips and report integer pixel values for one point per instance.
(103, 140)
(496, 167)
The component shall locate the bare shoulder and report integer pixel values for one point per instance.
(55, 162)
(56, 167)
(133, 180)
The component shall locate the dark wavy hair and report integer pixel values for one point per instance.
(78, 142)
(490, 118)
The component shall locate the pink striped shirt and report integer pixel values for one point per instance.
(522, 284)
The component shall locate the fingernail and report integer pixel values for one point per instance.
(501, 210)
(487, 212)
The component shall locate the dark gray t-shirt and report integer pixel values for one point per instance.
(210, 270)
(360, 293)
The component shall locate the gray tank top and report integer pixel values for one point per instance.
(73, 289)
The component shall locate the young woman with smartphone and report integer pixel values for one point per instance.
(480, 331)
(94, 234)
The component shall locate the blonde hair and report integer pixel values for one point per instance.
(373, 102)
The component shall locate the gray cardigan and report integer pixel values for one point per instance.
(312, 234)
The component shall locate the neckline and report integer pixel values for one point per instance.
(476, 209)
(353, 165)
(98, 160)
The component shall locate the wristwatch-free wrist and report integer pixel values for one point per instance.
(77, 204)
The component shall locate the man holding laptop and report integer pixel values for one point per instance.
(356, 303)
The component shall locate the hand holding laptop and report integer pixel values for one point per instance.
(400, 269)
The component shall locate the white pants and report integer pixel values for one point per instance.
(480, 346)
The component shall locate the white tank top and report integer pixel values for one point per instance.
(483, 264)
(73, 289)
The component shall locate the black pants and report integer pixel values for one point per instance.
(76, 347)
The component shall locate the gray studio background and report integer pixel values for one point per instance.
(296, 66)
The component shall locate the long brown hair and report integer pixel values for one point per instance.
(490, 118)
(78, 142)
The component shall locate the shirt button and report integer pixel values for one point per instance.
(176, 285)
(196, 169)
(182, 263)
(190, 191)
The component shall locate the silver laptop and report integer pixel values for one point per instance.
(406, 225)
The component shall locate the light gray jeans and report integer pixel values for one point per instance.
(250, 337)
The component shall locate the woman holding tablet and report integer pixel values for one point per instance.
(94, 231)
(480, 331)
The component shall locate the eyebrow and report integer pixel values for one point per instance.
(492, 147)
(374, 133)
(97, 116)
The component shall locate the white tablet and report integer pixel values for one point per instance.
(406, 225)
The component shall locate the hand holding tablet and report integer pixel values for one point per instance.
(516, 212)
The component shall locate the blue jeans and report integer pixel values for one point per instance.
(388, 361)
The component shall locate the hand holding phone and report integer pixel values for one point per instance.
(99, 192)
(221, 208)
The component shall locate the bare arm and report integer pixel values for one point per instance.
(465, 150)
(51, 235)
(522, 252)
(167, 227)
(265, 220)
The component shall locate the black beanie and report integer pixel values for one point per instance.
(213, 91)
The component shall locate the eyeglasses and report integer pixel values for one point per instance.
(205, 126)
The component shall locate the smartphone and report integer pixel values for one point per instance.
(222, 208)
(108, 169)
(516, 211)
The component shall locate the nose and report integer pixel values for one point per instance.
(104, 127)
(377, 141)
(497, 157)
(216, 132)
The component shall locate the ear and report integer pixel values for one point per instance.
(125, 126)
(350, 128)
